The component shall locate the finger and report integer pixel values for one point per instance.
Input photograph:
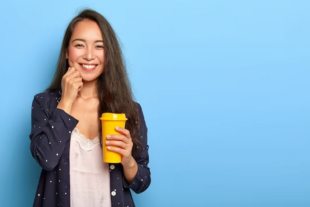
(70, 75)
(116, 143)
(70, 70)
(74, 81)
(123, 131)
(117, 150)
(78, 85)
(78, 79)
(117, 137)
(75, 74)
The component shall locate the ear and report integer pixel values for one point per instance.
(67, 54)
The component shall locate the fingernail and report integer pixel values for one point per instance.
(117, 128)
(107, 142)
(109, 147)
(109, 136)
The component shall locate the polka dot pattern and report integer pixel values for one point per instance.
(51, 131)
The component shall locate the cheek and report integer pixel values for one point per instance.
(100, 56)
(74, 54)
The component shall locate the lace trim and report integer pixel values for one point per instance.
(85, 144)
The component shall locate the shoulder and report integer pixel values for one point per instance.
(47, 97)
(139, 108)
(137, 105)
(48, 94)
(140, 113)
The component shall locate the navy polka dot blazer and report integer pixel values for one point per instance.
(50, 143)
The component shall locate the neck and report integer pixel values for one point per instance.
(89, 90)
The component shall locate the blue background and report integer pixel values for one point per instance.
(224, 86)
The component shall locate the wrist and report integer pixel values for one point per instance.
(131, 164)
(130, 170)
(65, 105)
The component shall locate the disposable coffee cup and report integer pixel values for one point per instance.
(109, 121)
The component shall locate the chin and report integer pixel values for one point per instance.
(89, 78)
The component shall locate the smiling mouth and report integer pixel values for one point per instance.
(88, 66)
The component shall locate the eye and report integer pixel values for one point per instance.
(100, 46)
(78, 45)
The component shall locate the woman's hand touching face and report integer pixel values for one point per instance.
(71, 84)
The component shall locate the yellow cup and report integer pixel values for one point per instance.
(109, 121)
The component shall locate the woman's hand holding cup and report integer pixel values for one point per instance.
(124, 145)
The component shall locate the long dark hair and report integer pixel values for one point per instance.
(114, 89)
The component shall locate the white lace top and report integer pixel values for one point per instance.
(89, 175)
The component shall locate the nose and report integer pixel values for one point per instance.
(89, 54)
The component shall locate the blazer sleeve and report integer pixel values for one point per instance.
(142, 180)
(50, 133)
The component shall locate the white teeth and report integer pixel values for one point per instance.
(88, 66)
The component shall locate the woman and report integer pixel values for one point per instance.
(66, 130)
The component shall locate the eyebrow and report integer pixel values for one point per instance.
(85, 41)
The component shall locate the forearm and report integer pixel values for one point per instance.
(49, 133)
(130, 171)
(140, 177)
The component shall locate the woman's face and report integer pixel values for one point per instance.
(86, 50)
